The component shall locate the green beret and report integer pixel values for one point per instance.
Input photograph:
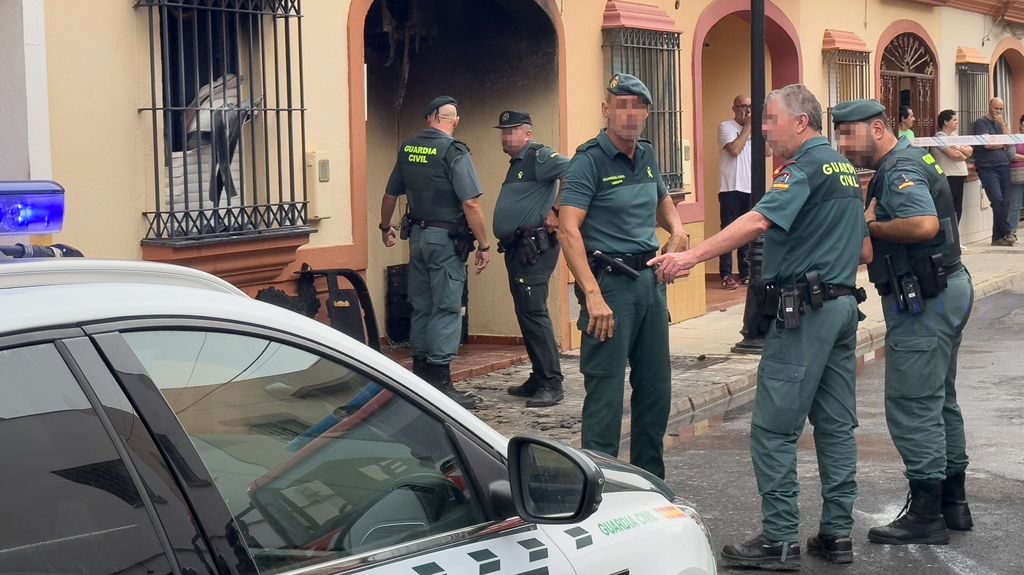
(629, 85)
(512, 118)
(856, 111)
(437, 103)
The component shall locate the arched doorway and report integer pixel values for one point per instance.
(1008, 79)
(908, 78)
(721, 71)
(508, 54)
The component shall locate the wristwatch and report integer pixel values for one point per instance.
(483, 249)
(384, 228)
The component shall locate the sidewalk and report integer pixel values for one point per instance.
(704, 371)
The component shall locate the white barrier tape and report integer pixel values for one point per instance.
(982, 140)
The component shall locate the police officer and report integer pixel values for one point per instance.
(436, 172)
(612, 201)
(926, 298)
(525, 222)
(815, 237)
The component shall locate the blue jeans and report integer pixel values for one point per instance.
(1013, 209)
(996, 181)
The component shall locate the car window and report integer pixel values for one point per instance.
(67, 501)
(314, 460)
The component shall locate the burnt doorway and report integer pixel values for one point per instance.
(490, 55)
(908, 79)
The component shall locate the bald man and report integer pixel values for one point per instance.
(993, 164)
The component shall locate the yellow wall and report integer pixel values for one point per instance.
(97, 54)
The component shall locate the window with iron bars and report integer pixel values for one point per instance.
(849, 78)
(654, 57)
(972, 80)
(228, 119)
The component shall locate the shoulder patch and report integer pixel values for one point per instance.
(906, 183)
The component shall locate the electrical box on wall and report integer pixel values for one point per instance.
(318, 173)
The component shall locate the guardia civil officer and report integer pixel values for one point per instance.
(815, 237)
(926, 298)
(436, 173)
(612, 202)
(526, 222)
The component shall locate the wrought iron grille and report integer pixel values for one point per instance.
(228, 118)
(849, 78)
(654, 57)
(972, 80)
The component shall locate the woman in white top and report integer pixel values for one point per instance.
(953, 159)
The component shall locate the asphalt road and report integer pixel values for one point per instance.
(709, 463)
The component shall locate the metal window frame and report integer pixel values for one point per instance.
(257, 118)
(972, 89)
(855, 68)
(655, 57)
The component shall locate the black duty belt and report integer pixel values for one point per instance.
(829, 291)
(434, 224)
(635, 261)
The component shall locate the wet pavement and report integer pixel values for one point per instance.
(708, 462)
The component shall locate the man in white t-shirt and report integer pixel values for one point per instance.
(734, 183)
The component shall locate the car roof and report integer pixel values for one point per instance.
(49, 296)
(65, 271)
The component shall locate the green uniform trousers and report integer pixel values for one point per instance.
(437, 278)
(807, 372)
(920, 380)
(641, 338)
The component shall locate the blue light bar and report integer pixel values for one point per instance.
(35, 207)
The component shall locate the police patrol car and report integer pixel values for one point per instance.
(154, 419)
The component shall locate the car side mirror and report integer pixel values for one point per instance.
(552, 483)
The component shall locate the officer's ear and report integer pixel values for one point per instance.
(878, 128)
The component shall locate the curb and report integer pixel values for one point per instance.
(870, 338)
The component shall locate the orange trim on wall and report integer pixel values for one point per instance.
(787, 68)
(1013, 50)
(969, 55)
(895, 29)
(357, 132)
(618, 14)
(842, 40)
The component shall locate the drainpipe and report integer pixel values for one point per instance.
(754, 327)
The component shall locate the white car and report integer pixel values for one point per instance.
(154, 419)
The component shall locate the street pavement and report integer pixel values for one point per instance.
(709, 463)
(705, 373)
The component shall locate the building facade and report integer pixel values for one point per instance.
(250, 137)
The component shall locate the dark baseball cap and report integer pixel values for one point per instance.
(629, 85)
(437, 103)
(512, 118)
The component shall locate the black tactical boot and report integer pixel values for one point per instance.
(547, 394)
(955, 510)
(831, 548)
(440, 376)
(764, 554)
(920, 521)
(419, 367)
(525, 389)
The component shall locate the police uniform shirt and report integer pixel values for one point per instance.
(906, 173)
(620, 196)
(906, 193)
(529, 189)
(816, 205)
(461, 171)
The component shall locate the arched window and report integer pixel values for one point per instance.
(908, 79)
